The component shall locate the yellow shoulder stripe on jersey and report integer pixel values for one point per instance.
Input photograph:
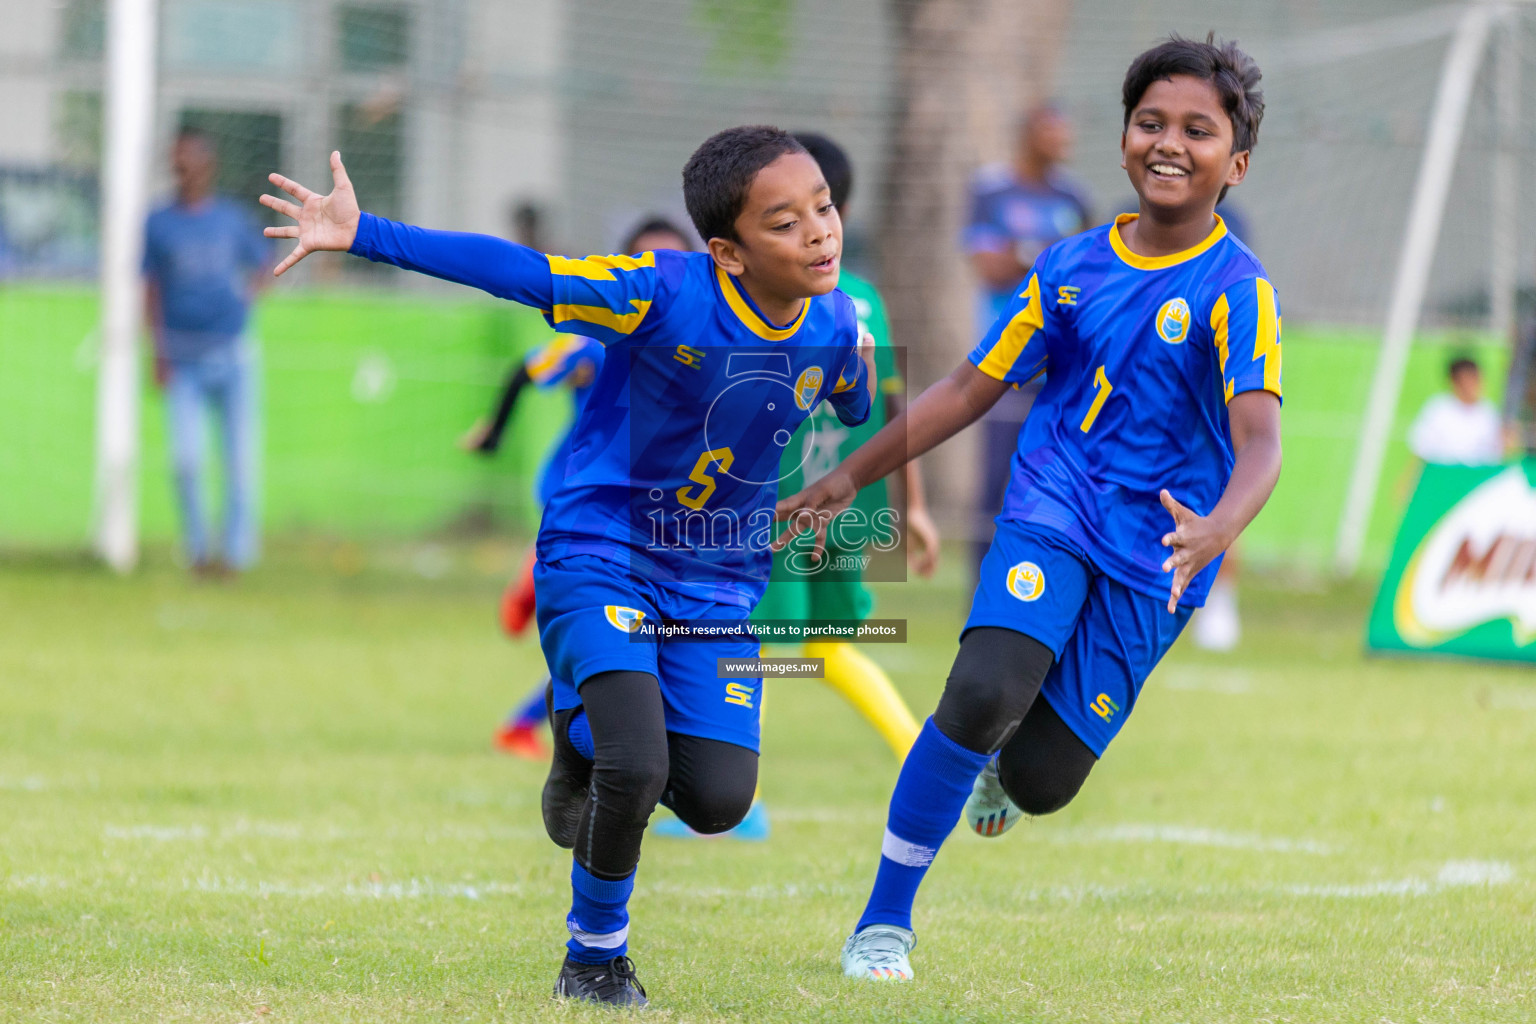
(1266, 340)
(1219, 313)
(748, 316)
(602, 316)
(1010, 344)
(1266, 345)
(1161, 262)
(544, 361)
(599, 268)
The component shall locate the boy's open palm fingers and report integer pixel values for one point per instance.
(299, 252)
(1180, 581)
(339, 172)
(282, 206)
(1180, 513)
(805, 521)
(324, 223)
(1180, 557)
(292, 187)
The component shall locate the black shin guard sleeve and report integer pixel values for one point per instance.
(711, 783)
(1044, 765)
(629, 771)
(995, 679)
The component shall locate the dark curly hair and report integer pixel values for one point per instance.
(719, 173)
(1232, 72)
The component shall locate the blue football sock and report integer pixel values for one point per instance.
(930, 793)
(599, 917)
(532, 710)
(580, 734)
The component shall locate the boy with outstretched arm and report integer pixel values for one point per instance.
(666, 511)
(1155, 440)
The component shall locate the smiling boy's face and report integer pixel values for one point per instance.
(790, 237)
(1177, 148)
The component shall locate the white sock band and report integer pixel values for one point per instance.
(908, 854)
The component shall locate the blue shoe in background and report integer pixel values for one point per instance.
(752, 829)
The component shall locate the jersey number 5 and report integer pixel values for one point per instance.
(695, 499)
(1104, 387)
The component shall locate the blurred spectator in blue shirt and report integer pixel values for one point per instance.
(204, 258)
(1016, 212)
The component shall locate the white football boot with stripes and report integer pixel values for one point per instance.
(988, 811)
(879, 952)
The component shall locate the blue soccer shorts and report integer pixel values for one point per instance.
(590, 613)
(1107, 638)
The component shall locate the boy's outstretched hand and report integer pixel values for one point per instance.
(325, 223)
(813, 508)
(1195, 541)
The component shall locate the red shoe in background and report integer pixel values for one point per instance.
(522, 741)
(517, 600)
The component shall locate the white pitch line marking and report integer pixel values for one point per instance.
(1190, 836)
(244, 829)
(1455, 874)
(158, 833)
(1519, 700)
(1206, 680)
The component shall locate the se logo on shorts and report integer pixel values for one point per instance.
(1104, 707)
(1026, 581)
(625, 620)
(739, 694)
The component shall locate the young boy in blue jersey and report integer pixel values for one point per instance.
(714, 359)
(1155, 440)
(571, 360)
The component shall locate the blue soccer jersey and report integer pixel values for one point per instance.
(569, 357)
(558, 360)
(676, 455)
(1141, 355)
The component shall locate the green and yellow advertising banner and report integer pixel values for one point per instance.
(1462, 579)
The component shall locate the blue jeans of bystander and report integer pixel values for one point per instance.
(224, 381)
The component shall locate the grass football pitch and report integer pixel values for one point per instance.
(277, 800)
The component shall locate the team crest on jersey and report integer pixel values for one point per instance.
(1026, 581)
(807, 386)
(1173, 321)
(624, 619)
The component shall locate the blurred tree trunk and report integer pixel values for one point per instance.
(967, 70)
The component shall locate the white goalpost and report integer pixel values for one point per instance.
(129, 115)
(1463, 59)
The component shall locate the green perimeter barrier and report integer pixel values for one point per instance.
(366, 394)
(1327, 382)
